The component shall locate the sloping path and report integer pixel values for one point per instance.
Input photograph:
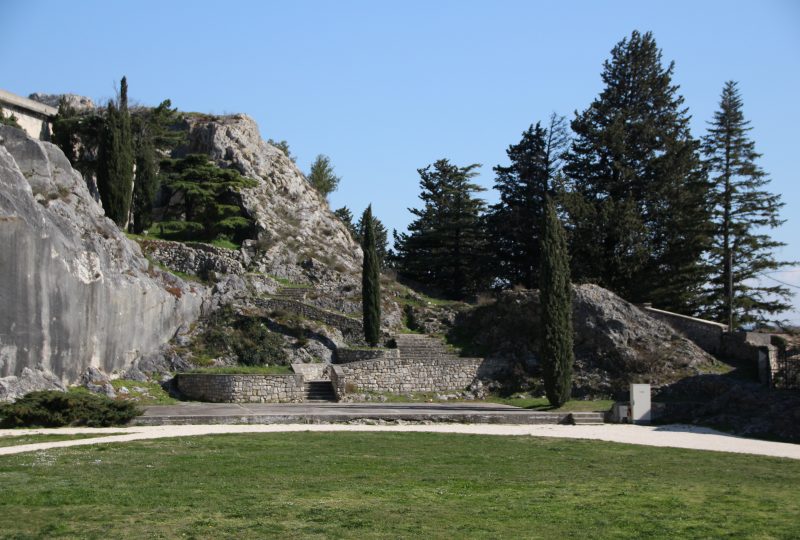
(675, 436)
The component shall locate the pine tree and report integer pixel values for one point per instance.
(380, 234)
(321, 176)
(370, 282)
(283, 146)
(346, 216)
(513, 225)
(740, 254)
(638, 201)
(445, 245)
(556, 304)
(115, 160)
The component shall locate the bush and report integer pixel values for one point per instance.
(55, 409)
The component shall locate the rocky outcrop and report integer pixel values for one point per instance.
(79, 103)
(75, 291)
(616, 343)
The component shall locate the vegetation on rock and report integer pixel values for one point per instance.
(321, 176)
(9, 120)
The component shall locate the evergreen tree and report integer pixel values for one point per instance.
(146, 185)
(380, 234)
(346, 216)
(742, 207)
(321, 176)
(211, 205)
(445, 245)
(513, 225)
(370, 282)
(556, 304)
(115, 160)
(639, 216)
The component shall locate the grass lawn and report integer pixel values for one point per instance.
(18, 440)
(394, 485)
(541, 404)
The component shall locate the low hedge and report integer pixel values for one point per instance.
(54, 409)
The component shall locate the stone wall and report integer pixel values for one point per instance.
(350, 327)
(194, 258)
(241, 388)
(346, 356)
(705, 334)
(310, 372)
(400, 375)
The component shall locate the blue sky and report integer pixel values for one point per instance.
(384, 88)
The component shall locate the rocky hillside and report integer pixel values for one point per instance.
(75, 291)
(615, 342)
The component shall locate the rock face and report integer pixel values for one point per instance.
(79, 103)
(615, 342)
(299, 238)
(75, 291)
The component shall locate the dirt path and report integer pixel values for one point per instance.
(676, 436)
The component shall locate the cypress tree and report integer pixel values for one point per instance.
(638, 207)
(739, 254)
(381, 237)
(556, 310)
(115, 160)
(146, 185)
(370, 282)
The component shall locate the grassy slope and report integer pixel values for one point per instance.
(367, 485)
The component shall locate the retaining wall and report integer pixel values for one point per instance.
(241, 388)
(400, 375)
(347, 356)
(348, 326)
(194, 258)
(706, 334)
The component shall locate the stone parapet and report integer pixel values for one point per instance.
(241, 388)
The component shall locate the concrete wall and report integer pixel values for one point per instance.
(241, 388)
(32, 116)
(399, 375)
(705, 334)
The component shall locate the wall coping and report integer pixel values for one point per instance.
(27, 104)
(722, 327)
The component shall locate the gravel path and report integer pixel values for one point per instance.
(676, 436)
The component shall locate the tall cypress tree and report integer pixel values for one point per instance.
(514, 224)
(380, 234)
(556, 303)
(370, 282)
(740, 255)
(146, 185)
(115, 160)
(638, 207)
(445, 245)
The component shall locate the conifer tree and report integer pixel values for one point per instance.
(513, 225)
(556, 310)
(638, 201)
(346, 216)
(370, 282)
(115, 160)
(380, 234)
(740, 253)
(445, 245)
(146, 185)
(321, 176)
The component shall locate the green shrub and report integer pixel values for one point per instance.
(246, 337)
(54, 409)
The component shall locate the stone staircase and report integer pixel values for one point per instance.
(587, 418)
(319, 391)
(296, 293)
(421, 346)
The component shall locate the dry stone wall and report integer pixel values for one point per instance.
(346, 356)
(194, 258)
(241, 388)
(401, 375)
(350, 327)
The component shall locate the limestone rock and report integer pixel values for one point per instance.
(29, 380)
(79, 103)
(75, 291)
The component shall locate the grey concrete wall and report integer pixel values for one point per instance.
(32, 116)
(705, 334)
(241, 388)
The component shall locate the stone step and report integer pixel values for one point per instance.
(587, 418)
(319, 391)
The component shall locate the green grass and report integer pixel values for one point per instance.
(541, 404)
(243, 370)
(144, 393)
(19, 440)
(394, 485)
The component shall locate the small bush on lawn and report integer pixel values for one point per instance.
(54, 409)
